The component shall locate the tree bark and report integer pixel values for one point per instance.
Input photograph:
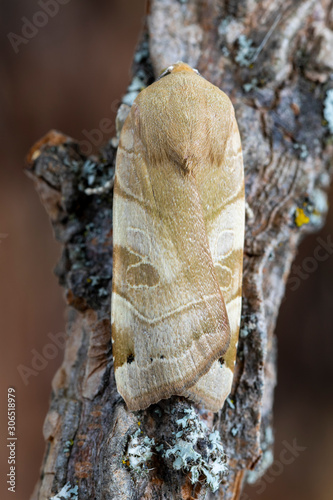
(274, 60)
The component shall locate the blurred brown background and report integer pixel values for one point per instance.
(66, 77)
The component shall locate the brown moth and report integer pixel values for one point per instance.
(178, 233)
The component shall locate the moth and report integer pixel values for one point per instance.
(178, 233)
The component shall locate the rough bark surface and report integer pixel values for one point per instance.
(273, 58)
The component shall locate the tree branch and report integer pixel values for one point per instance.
(274, 63)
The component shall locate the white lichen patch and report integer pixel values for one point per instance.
(197, 450)
(252, 85)
(320, 207)
(230, 29)
(302, 149)
(68, 492)
(139, 452)
(320, 202)
(328, 109)
(249, 327)
(92, 173)
(68, 446)
(133, 91)
(142, 53)
(311, 210)
(246, 51)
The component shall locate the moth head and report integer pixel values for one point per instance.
(177, 68)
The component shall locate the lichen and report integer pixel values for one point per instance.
(223, 26)
(251, 85)
(300, 217)
(96, 177)
(302, 149)
(248, 327)
(68, 445)
(197, 451)
(319, 205)
(328, 109)
(225, 51)
(311, 210)
(139, 452)
(246, 51)
(67, 493)
(133, 90)
(234, 431)
(142, 53)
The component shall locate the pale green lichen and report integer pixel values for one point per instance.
(139, 452)
(246, 51)
(328, 109)
(68, 492)
(142, 53)
(191, 438)
(249, 326)
(302, 149)
(225, 51)
(251, 85)
(184, 453)
(234, 431)
(223, 26)
(133, 91)
(93, 173)
(68, 445)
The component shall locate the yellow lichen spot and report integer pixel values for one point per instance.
(89, 280)
(300, 217)
(139, 423)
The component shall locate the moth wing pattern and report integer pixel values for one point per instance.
(225, 230)
(177, 253)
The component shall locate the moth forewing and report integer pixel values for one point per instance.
(178, 210)
(225, 220)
